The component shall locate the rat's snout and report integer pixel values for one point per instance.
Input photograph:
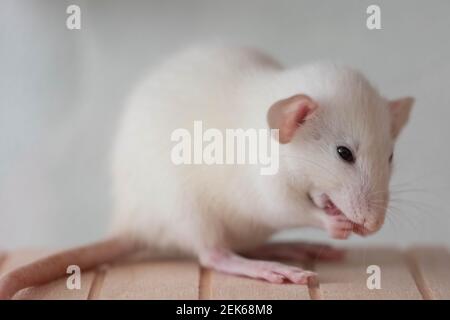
(372, 210)
(366, 209)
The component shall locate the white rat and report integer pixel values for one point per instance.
(336, 136)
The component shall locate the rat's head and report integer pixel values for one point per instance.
(340, 144)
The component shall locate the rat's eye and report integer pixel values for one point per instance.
(391, 157)
(345, 154)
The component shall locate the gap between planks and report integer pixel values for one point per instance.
(313, 284)
(432, 268)
(97, 283)
(204, 285)
(418, 276)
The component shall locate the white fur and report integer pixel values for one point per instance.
(191, 208)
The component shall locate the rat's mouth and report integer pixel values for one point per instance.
(331, 209)
(325, 203)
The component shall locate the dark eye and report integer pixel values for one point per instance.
(391, 157)
(345, 154)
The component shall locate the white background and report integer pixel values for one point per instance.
(61, 91)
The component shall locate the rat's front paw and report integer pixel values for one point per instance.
(338, 227)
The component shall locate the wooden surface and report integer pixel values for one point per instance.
(417, 273)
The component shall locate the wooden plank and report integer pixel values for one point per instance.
(56, 290)
(432, 271)
(401, 274)
(220, 286)
(348, 279)
(151, 280)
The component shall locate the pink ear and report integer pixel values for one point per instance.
(288, 114)
(400, 110)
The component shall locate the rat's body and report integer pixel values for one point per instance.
(193, 207)
(214, 211)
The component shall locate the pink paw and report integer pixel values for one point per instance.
(275, 272)
(339, 227)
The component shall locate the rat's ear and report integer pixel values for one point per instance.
(400, 110)
(288, 114)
